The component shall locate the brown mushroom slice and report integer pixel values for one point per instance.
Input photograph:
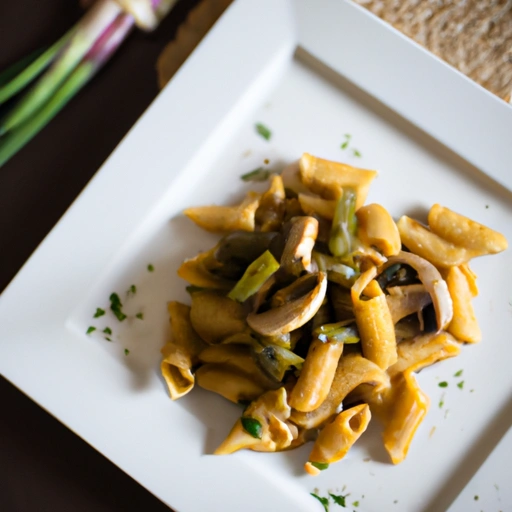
(299, 245)
(181, 353)
(226, 218)
(434, 284)
(327, 179)
(316, 205)
(376, 228)
(270, 212)
(215, 317)
(291, 316)
(424, 350)
(297, 289)
(263, 426)
(352, 371)
(464, 232)
(229, 382)
(406, 300)
(426, 244)
(195, 272)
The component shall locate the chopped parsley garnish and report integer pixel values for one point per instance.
(107, 338)
(90, 329)
(355, 504)
(319, 465)
(116, 307)
(151, 268)
(132, 290)
(252, 427)
(441, 402)
(126, 351)
(460, 385)
(476, 498)
(323, 501)
(140, 316)
(107, 330)
(259, 174)
(344, 145)
(263, 131)
(458, 374)
(443, 384)
(357, 153)
(338, 499)
(486, 206)
(99, 312)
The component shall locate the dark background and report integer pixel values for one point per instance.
(43, 465)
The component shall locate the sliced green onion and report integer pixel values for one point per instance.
(320, 465)
(252, 427)
(344, 224)
(337, 332)
(259, 174)
(254, 277)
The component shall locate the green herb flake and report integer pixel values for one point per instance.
(107, 330)
(441, 402)
(348, 135)
(258, 174)
(90, 329)
(355, 504)
(140, 316)
(262, 130)
(486, 206)
(460, 385)
(252, 427)
(443, 384)
(338, 499)
(132, 290)
(476, 498)
(99, 312)
(126, 351)
(458, 374)
(395, 502)
(323, 501)
(116, 306)
(107, 338)
(320, 465)
(151, 268)
(357, 153)
(344, 145)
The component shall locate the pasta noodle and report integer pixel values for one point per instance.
(314, 311)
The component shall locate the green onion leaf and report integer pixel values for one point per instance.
(344, 224)
(116, 306)
(263, 131)
(323, 501)
(252, 427)
(259, 174)
(99, 312)
(336, 332)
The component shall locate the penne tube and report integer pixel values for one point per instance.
(464, 325)
(263, 426)
(337, 437)
(226, 218)
(270, 212)
(424, 350)
(376, 228)
(402, 412)
(430, 246)
(194, 271)
(180, 354)
(314, 204)
(316, 376)
(327, 179)
(352, 371)
(374, 321)
(464, 232)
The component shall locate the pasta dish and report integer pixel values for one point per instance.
(315, 310)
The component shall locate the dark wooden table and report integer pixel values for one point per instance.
(43, 465)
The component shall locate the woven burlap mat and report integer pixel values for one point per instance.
(474, 36)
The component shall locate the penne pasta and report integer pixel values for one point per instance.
(336, 438)
(464, 325)
(181, 353)
(270, 212)
(316, 376)
(316, 205)
(374, 321)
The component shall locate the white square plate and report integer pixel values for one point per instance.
(312, 72)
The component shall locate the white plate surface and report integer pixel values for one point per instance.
(317, 71)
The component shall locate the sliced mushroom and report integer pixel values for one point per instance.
(290, 316)
(406, 300)
(433, 282)
(299, 245)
